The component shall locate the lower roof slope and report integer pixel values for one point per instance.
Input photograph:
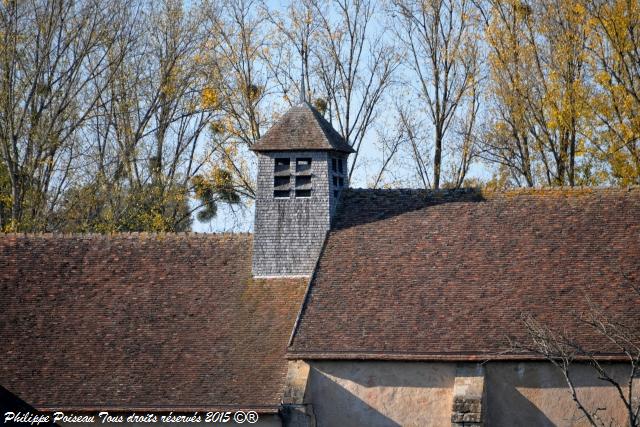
(163, 322)
(449, 274)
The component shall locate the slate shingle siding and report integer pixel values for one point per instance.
(289, 232)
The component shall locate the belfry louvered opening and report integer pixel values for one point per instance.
(338, 175)
(303, 165)
(289, 180)
(282, 178)
(303, 177)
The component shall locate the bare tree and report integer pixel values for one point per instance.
(418, 145)
(289, 55)
(51, 53)
(146, 137)
(564, 350)
(355, 64)
(391, 143)
(442, 57)
(240, 80)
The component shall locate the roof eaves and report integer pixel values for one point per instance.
(277, 149)
(438, 357)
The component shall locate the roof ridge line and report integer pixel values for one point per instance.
(126, 234)
(565, 188)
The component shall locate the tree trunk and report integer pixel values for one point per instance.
(437, 160)
(15, 201)
(572, 159)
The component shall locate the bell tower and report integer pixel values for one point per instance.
(302, 169)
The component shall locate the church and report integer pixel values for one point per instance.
(344, 307)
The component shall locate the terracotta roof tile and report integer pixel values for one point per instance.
(447, 275)
(153, 321)
(302, 128)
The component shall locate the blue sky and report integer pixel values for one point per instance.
(368, 163)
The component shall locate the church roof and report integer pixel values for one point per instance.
(174, 321)
(142, 322)
(302, 128)
(448, 275)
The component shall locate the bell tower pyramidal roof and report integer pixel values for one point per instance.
(302, 128)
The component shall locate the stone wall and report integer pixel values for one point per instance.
(289, 232)
(468, 395)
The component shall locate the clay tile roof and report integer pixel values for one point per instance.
(448, 275)
(162, 322)
(302, 128)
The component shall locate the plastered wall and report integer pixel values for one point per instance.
(536, 394)
(369, 393)
(381, 393)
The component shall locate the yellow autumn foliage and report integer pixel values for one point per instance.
(210, 98)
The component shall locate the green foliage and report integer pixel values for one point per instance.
(206, 195)
(253, 92)
(164, 104)
(321, 105)
(211, 190)
(101, 208)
